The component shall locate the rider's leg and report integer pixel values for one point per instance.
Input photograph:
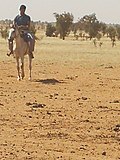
(30, 49)
(10, 43)
(31, 44)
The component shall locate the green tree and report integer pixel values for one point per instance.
(63, 23)
(103, 28)
(98, 36)
(90, 24)
(4, 33)
(32, 28)
(111, 31)
(118, 31)
(50, 30)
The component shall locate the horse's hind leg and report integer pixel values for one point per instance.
(18, 68)
(22, 68)
(30, 67)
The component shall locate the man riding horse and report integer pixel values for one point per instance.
(22, 21)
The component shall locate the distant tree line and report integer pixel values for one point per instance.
(89, 25)
(62, 27)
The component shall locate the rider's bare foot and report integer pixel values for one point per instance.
(8, 54)
(11, 52)
(31, 55)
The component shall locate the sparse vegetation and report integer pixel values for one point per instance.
(4, 32)
(50, 30)
(63, 23)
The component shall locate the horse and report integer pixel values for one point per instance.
(20, 49)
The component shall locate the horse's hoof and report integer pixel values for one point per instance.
(22, 77)
(18, 79)
(29, 78)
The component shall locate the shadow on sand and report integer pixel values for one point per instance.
(48, 81)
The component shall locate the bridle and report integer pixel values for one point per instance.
(20, 30)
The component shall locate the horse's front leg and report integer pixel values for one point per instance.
(18, 68)
(30, 67)
(22, 68)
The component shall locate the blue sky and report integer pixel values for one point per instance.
(107, 11)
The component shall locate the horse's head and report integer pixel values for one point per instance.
(17, 32)
(20, 31)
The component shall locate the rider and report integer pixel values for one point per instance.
(23, 21)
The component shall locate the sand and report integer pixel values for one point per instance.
(70, 110)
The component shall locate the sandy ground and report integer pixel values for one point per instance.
(69, 111)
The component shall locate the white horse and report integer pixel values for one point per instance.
(21, 49)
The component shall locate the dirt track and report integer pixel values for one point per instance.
(69, 111)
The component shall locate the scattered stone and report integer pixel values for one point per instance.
(38, 105)
(87, 120)
(77, 99)
(55, 94)
(82, 148)
(80, 103)
(48, 113)
(51, 96)
(109, 67)
(70, 77)
(116, 129)
(102, 107)
(115, 101)
(76, 76)
(28, 104)
(104, 153)
(35, 105)
(118, 125)
(97, 128)
(84, 98)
